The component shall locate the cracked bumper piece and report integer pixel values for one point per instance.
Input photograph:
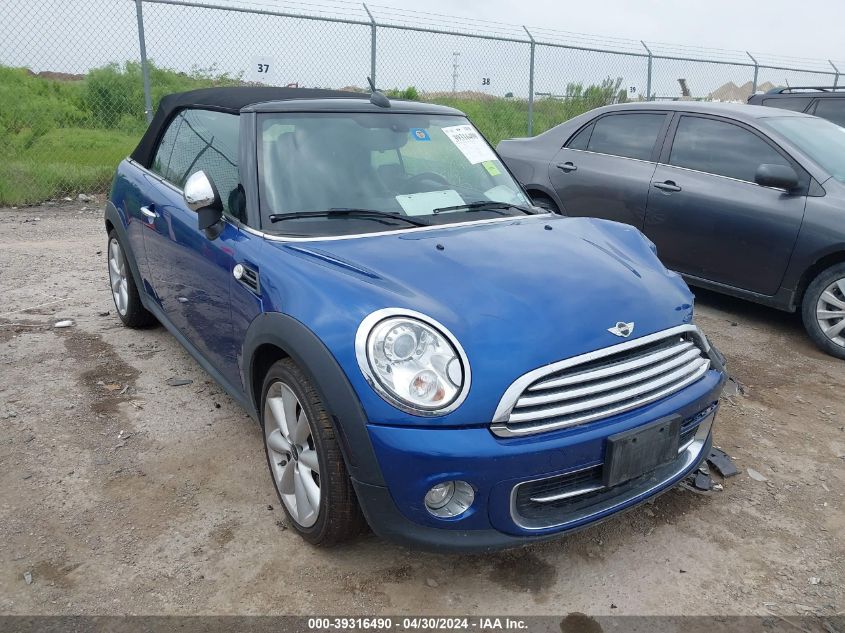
(527, 489)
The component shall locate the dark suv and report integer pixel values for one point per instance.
(827, 103)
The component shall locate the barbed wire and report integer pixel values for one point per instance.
(399, 17)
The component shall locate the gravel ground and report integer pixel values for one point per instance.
(121, 494)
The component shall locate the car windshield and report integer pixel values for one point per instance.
(821, 140)
(341, 173)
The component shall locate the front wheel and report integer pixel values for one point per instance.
(305, 460)
(823, 310)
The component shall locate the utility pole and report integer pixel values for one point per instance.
(455, 57)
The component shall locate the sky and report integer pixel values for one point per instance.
(76, 35)
(786, 28)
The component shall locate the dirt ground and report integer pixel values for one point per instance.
(120, 494)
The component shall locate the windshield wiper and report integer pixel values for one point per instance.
(341, 212)
(486, 205)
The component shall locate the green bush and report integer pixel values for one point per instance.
(65, 137)
(28, 102)
(409, 94)
(62, 137)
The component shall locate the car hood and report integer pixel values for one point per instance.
(517, 293)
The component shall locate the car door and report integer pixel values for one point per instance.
(708, 217)
(604, 170)
(191, 270)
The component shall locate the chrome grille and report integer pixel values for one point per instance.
(603, 383)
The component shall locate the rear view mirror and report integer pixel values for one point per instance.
(776, 176)
(201, 196)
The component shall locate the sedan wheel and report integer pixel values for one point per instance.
(823, 310)
(830, 312)
(118, 277)
(292, 455)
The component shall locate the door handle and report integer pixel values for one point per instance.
(669, 185)
(567, 167)
(150, 212)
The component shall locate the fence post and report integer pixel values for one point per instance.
(530, 85)
(836, 77)
(648, 79)
(145, 71)
(372, 44)
(756, 71)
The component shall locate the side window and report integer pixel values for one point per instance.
(165, 148)
(580, 140)
(832, 110)
(207, 141)
(721, 148)
(796, 104)
(628, 135)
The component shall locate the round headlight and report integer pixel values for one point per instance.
(412, 361)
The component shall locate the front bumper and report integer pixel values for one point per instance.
(414, 459)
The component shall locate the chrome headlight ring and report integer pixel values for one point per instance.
(412, 361)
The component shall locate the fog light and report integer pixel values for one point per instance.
(449, 498)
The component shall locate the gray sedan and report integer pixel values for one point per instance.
(744, 200)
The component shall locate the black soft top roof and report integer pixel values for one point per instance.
(228, 99)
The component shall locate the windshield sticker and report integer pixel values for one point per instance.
(467, 139)
(491, 168)
(420, 134)
(503, 193)
(426, 202)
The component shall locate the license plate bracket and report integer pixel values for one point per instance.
(630, 454)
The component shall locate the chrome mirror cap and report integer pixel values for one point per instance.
(199, 191)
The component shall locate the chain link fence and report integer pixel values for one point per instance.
(79, 79)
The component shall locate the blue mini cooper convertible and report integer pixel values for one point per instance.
(426, 352)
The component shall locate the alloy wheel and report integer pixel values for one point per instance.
(292, 454)
(830, 312)
(117, 277)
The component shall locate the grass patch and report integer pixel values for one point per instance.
(61, 162)
(61, 138)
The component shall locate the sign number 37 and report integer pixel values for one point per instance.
(261, 68)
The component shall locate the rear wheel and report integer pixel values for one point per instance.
(823, 310)
(305, 460)
(124, 292)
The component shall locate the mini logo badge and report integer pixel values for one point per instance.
(622, 329)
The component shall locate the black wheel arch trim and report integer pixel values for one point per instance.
(546, 191)
(813, 265)
(306, 349)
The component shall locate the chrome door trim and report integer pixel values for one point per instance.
(148, 212)
(587, 151)
(416, 229)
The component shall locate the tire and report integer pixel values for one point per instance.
(823, 303)
(125, 295)
(544, 202)
(292, 452)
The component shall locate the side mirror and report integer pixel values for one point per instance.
(776, 176)
(201, 196)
